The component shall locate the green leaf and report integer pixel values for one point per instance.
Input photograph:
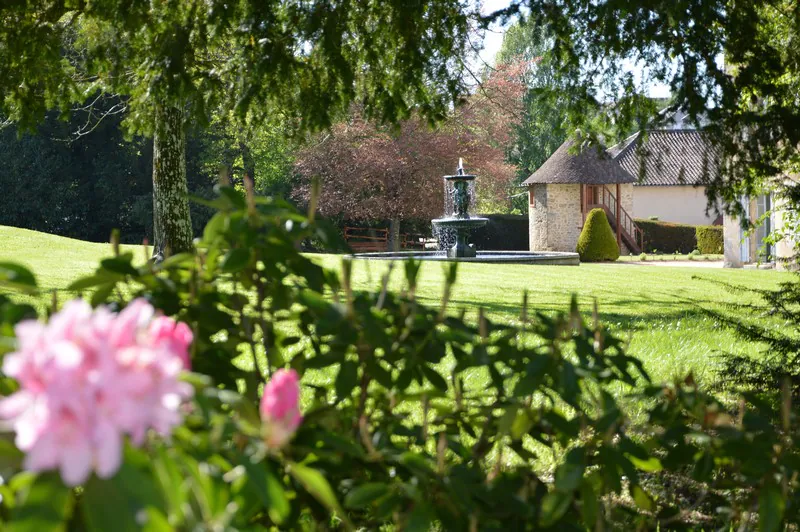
(10, 456)
(17, 276)
(641, 498)
(215, 228)
(569, 474)
(235, 197)
(315, 483)
(771, 506)
(45, 508)
(268, 488)
(420, 519)
(121, 265)
(155, 521)
(89, 282)
(115, 503)
(346, 379)
(589, 504)
(170, 479)
(102, 293)
(554, 505)
(365, 494)
(506, 421)
(236, 260)
(434, 378)
(179, 259)
(651, 465)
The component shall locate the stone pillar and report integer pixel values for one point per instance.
(732, 241)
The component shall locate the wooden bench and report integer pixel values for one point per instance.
(366, 239)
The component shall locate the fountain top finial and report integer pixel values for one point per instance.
(460, 175)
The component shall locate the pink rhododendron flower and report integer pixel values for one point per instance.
(280, 407)
(88, 378)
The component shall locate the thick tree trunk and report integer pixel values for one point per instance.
(172, 223)
(394, 234)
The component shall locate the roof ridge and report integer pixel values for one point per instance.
(626, 144)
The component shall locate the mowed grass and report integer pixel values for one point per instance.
(659, 308)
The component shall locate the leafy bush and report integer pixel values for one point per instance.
(413, 418)
(709, 239)
(667, 237)
(504, 232)
(597, 241)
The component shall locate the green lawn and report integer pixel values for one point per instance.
(659, 307)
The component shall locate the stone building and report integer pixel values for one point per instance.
(670, 166)
(572, 182)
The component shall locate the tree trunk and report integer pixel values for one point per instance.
(247, 158)
(394, 234)
(172, 223)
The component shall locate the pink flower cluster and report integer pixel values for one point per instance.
(88, 378)
(280, 408)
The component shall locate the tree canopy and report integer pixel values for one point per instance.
(304, 60)
(182, 62)
(735, 64)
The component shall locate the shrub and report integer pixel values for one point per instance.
(371, 416)
(709, 239)
(597, 241)
(503, 232)
(667, 237)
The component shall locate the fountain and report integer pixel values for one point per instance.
(456, 226)
(459, 221)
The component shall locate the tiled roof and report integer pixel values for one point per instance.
(590, 166)
(667, 157)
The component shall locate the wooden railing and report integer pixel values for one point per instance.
(599, 196)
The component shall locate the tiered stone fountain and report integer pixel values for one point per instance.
(459, 221)
(456, 226)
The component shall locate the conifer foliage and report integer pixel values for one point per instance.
(597, 242)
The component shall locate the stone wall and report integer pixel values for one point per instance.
(555, 217)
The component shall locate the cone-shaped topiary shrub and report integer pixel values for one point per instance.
(597, 241)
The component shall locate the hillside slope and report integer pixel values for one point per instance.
(55, 260)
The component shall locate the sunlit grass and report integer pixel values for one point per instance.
(659, 309)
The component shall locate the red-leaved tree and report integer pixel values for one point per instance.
(371, 172)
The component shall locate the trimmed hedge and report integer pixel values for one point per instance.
(597, 241)
(709, 239)
(667, 237)
(504, 232)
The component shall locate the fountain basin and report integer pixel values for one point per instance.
(462, 225)
(488, 257)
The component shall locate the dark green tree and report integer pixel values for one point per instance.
(79, 187)
(178, 62)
